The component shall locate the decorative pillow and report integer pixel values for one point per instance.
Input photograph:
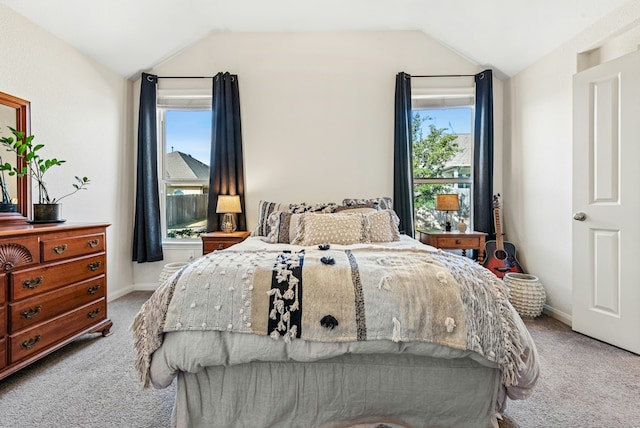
(383, 203)
(356, 208)
(326, 207)
(265, 209)
(282, 227)
(314, 229)
(383, 226)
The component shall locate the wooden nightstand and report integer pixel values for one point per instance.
(220, 240)
(455, 240)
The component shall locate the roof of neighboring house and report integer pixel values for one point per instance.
(183, 166)
(463, 157)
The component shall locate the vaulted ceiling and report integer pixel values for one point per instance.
(132, 35)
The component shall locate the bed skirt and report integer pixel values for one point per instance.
(346, 391)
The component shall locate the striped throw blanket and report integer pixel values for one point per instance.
(337, 295)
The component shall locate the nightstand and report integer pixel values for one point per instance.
(455, 240)
(220, 240)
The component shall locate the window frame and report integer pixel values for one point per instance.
(439, 94)
(187, 100)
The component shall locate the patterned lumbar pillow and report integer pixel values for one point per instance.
(314, 229)
(383, 226)
(265, 209)
(282, 227)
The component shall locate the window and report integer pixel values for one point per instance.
(442, 138)
(184, 155)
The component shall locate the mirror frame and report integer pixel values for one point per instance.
(23, 124)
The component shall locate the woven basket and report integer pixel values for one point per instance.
(526, 294)
(169, 269)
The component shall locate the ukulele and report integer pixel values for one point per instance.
(500, 256)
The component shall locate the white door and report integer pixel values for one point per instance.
(606, 202)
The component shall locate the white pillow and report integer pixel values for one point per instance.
(315, 229)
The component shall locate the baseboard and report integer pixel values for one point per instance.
(145, 286)
(557, 314)
(113, 295)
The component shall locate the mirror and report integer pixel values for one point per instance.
(14, 204)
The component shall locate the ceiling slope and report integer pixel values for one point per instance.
(128, 36)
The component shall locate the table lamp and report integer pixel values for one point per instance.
(447, 202)
(229, 205)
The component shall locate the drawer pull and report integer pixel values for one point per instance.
(94, 289)
(93, 243)
(59, 249)
(220, 246)
(94, 266)
(31, 313)
(94, 313)
(32, 283)
(28, 344)
(458, 242)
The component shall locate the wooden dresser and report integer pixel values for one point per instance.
(53, 289)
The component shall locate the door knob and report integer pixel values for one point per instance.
(580, 216)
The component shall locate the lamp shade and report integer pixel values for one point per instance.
(447, 202)
(228, 204)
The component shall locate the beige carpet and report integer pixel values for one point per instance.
(92, 383)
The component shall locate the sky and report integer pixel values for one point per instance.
(190, 131)
(456, 120)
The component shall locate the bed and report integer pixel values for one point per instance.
(334, 320)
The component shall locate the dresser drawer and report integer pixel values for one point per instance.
(64, 248)
(42, 336)
(3, 353)
(3, 321)
(34, 310)
(459, 242)
(18, 252)
(217, 244)
(32, 281)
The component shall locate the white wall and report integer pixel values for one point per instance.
(538, 151)
(317, 108)
(81, 112)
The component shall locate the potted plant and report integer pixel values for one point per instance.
(48, 208)
(7, 205)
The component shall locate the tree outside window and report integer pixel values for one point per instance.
(441, 164)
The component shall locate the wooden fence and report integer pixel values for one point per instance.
(183, 210)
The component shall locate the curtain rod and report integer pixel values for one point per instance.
(185, 77)
(446, 75)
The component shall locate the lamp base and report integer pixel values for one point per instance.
(228, 224)
(447, 226)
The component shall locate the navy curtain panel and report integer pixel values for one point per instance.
(227, 164)
(483, 155)
(147, 233)
(403, 155)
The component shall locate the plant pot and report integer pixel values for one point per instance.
(8, 208)
(45, 213)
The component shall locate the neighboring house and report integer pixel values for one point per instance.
(187, 193)
(182, 166)
(460, 165)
